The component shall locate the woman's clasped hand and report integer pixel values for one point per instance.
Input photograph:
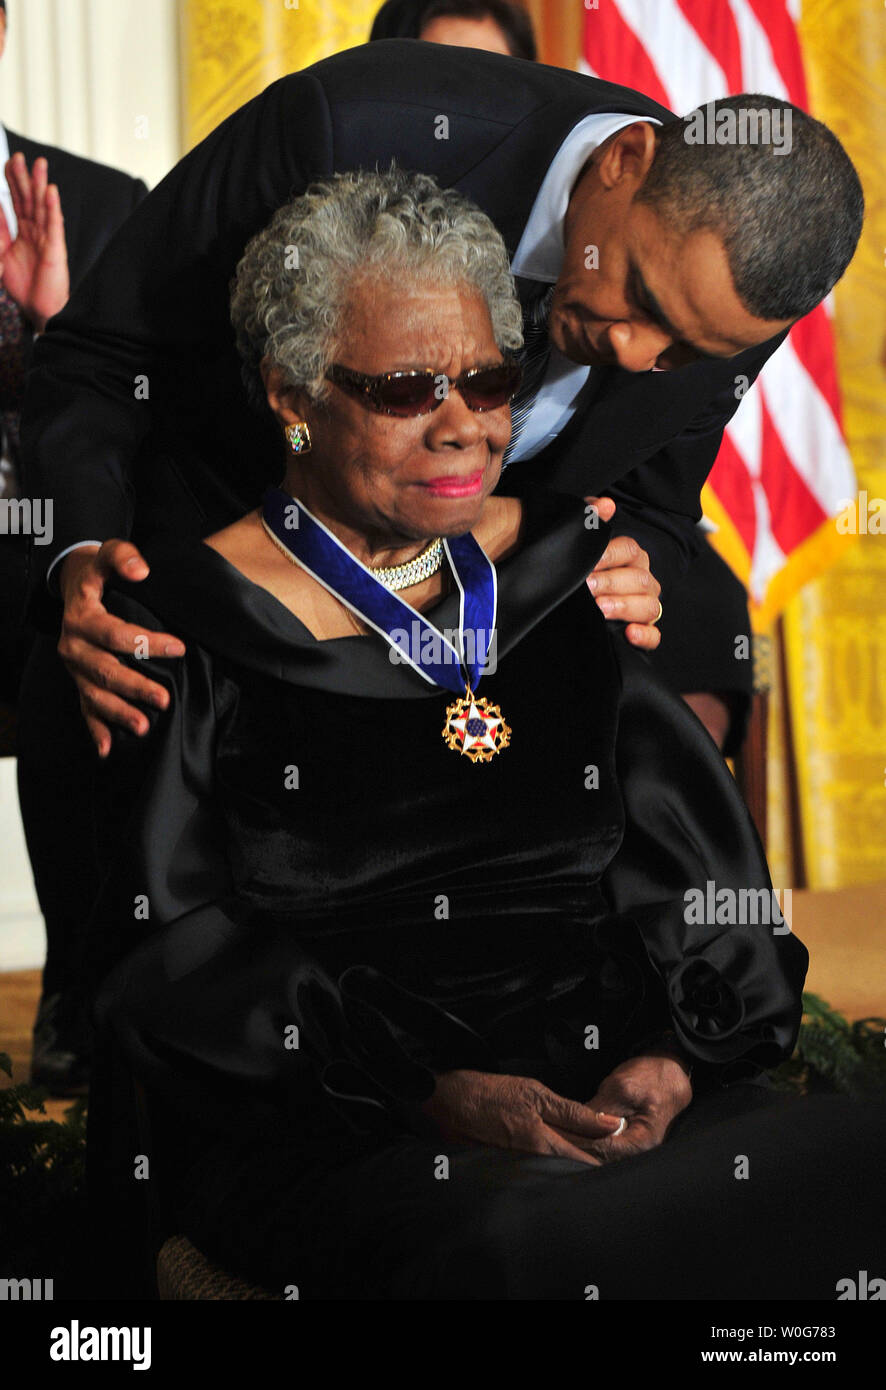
(631, 1111)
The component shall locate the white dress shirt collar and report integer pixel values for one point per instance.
(540, 253)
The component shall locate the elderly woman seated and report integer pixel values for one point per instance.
(417, 989)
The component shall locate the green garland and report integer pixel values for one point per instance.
(833, 1054)
(42, 1185)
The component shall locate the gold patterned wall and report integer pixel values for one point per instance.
(835, 630)
(232, 49)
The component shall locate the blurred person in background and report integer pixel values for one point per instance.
(50, 234)
(495, 25)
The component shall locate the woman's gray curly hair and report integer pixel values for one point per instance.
(292, 284)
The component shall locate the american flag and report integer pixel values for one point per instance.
(783, 471)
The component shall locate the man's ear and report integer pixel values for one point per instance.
(627, 155)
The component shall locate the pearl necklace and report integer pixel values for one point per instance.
(414, 571)
(395, 577)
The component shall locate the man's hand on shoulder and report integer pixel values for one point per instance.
(623, 585)
(89, 635)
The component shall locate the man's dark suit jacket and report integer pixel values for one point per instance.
(136, 419)
(95, 201)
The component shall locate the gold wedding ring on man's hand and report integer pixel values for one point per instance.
(658, 614)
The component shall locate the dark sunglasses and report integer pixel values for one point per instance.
(418, 393)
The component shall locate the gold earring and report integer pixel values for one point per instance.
(299, 437)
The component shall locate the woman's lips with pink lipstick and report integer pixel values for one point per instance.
(455, 486)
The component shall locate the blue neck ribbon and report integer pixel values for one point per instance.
(313, 546)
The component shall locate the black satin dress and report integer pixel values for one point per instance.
(331, 906)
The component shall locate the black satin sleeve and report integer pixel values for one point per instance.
(733, 988)
(215, 1003)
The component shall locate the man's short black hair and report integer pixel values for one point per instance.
(405, 19)
(789, 218)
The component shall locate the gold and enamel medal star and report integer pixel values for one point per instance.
(475, 728)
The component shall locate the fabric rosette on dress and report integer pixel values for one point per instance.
(733, 986)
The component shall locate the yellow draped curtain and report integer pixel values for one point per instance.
(835, 630)
(232, 49)
(827, 740)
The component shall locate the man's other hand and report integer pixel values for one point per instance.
(623, 585)
(89, 635)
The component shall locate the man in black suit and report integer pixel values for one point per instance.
(687, 258)
(50, 234)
